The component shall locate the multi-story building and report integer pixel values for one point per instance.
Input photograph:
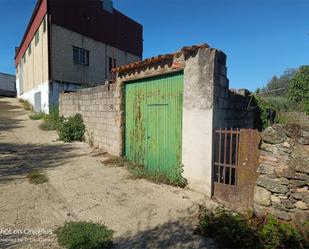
(70, 44)
(7, 85)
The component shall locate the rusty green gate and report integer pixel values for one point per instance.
(153, 130)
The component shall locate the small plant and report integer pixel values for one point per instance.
(234, 230)
(84, 235)
(72, 129)
(228, 229)
(27, 106)
(37, 116)
(117, 161)
(265, 113)
(52, 121)
(36, 177)
(139, 171)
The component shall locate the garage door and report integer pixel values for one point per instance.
(153, 113)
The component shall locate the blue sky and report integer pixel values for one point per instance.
(260, 37)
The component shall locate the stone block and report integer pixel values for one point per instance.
(272, 185)
(266, 169)
(262, 196)
(274, 134)
(298, 183)
(286, 171)
(260, 210)
(301, 205)
(281, 214)
(275, 199)
(299, 217)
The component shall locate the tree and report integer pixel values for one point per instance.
(299, 87)
(278, 86)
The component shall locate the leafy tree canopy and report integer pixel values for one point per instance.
(299, 85)
(278, 86)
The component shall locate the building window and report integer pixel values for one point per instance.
(29, 49)
(44, 25)
(80, 56)
(111, 63)
(37, 37)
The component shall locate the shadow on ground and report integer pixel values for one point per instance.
(175, 234)
(9, 115)
(16, 160)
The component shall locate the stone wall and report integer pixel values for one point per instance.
(282, 186)
(100, 109)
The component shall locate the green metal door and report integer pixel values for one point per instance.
(153, 112)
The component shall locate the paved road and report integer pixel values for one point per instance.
(142, 214)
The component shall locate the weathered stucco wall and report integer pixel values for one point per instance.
(100, 109)
(198, 120)
(282, 186)
(208, 104)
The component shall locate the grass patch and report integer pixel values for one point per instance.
(117, 161)
(47, 126)
(52, 121)
(37, 116)
(138, 171)
(36, 177)
(84, 235)
(26, 105)
(234, 230)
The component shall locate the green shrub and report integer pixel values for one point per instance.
(72, 129)
(263, 112)
(233, 230)
(299, 85)
(228, 229)
(84, 235)
(37, 116)
(37, 177)
(52, 121)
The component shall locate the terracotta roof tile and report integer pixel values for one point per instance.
(159, 58)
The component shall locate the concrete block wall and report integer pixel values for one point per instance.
(232, 109)
(100, 108)
(96, 72)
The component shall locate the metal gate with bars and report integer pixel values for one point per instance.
(226, 155)
(235, 161)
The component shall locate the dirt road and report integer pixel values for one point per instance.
(80, 187)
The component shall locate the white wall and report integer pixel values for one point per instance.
(44, 89)
(32, 69)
